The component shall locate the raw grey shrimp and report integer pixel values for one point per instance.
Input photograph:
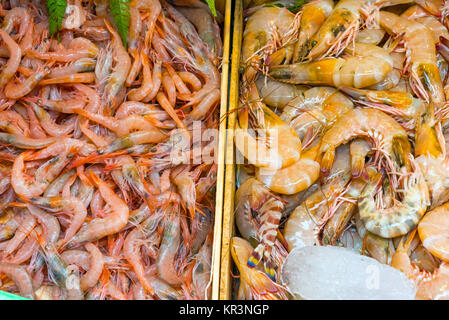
(338, 222)
(401, 217)
(379, 248)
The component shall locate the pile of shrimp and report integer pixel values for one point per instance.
(98, 201)
(343, 130)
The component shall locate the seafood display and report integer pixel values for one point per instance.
(341, 139)
(107, 148)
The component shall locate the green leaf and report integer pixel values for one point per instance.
(211, 4)
(56, 11)
(296, 6)
(120, 15)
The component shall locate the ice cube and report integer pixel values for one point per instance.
(336, 273)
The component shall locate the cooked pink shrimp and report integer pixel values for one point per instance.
(168, 249)
(50, 224)
(123, 64)
(20, 277)
(15, 56)
(135, 70)
(61, 146)
(206, 105)
(113, 223)
(153, 8)
(159, 47)
(91, 277)
(14, 123)
(70, 205)
(186, 188)
(50, 126)
(86, 77)
(78, 48)
(140, 93)
(178, 81)
(81, 65)
(79, 257)
(169, 88)
(119, 126)
(17, 89)
(24, 142)
(131, 251)
(19, 18)
(165, 104)
(190, 79)
(26, 250)
(134, 139)
(157, 80)
(65, 105)
(131, 107)
(36, 130)
(206, 68)
(28, 187)
(26, 226)
(135, 27)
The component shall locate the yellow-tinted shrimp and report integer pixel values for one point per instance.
(425, 76)
(383, 130)
(366, 65)
(312, 17)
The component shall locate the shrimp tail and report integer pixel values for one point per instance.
(256, 256)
